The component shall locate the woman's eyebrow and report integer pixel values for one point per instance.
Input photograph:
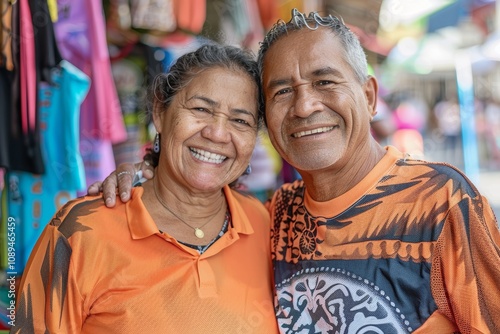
(205, 99)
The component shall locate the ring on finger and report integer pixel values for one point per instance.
(124, 172)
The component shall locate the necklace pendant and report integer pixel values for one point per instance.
(199, 233)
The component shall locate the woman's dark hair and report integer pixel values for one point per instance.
(166, 85)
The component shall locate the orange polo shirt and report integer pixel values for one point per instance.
(99, 270)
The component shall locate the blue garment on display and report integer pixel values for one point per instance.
(33, 199)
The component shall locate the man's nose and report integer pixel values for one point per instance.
(306, 101)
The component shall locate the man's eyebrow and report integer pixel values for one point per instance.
(278, 82)
(326, 71)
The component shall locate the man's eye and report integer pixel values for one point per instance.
(323, 83)
(283, 91)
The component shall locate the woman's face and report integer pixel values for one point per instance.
(208, 132)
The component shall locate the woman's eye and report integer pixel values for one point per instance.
(241, 121)
(203, 111)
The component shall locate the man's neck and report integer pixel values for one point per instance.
(336, 180)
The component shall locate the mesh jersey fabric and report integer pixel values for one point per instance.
(412, 248)
(100, 270)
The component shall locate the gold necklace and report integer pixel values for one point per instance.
(198, 232)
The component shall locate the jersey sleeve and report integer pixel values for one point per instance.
(466, 268)
(48, 299)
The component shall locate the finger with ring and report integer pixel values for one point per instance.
(124, 172)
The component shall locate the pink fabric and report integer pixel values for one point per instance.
(110, 118)
(28, 69)
(81, 36)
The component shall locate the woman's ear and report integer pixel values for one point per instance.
(371, 93)
(158, 116)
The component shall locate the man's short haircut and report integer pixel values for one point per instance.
(353, 51)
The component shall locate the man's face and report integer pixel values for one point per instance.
(317, 113)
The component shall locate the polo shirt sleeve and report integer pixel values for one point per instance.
(48, 299)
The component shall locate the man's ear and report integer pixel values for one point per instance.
(158, 114)
(371, 93)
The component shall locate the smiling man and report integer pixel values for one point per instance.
(370, 240)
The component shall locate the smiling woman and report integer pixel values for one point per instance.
(205, 131)
(186, 246)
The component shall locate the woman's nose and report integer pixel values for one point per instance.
(217, 129)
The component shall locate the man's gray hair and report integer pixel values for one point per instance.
(353, 52)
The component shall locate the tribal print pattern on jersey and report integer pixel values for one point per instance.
(373, 260)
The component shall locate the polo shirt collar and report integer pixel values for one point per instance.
(141, 224)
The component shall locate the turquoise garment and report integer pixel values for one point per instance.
(33, 199)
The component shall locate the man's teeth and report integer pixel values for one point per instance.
(207, 156)
(310, 132)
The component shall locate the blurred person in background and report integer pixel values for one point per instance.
(263, 175)
(411, 116)
(383, 125)
(492, 118)
(447, 113)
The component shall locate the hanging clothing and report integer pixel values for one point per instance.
(134, 68)
(6, 78)
(190, 15)
(98, 159)
(128, 74)
(153, 15)
(19, 87)
(5, 34)
(268, 11)
(33, 199)
(46, 50)
(81, 36)
(33, 57)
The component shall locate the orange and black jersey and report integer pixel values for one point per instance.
(413, 248)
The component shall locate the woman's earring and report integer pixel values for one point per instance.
(156, 143)
(248, 170)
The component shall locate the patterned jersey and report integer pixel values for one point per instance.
(413, 248)
(98, 270)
